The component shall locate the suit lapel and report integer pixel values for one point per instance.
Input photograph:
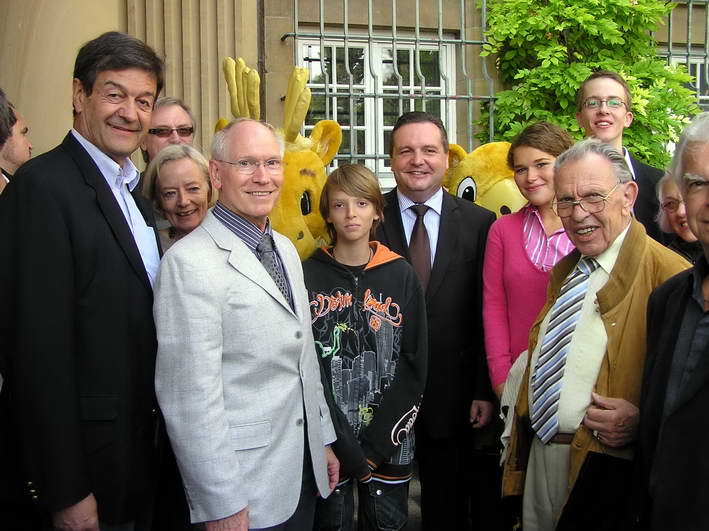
(108, 205)
(447, 243)
(243, 260)
(393, 227)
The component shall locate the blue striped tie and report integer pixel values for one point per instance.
(549, 369)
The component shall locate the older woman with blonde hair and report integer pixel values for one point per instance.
(672, 219)
(177, 182)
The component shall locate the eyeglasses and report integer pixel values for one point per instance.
(597, 103)
(164, 132)
(671, 205)
(248, 166)
(592, 205)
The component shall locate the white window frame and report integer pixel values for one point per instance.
(447, 61)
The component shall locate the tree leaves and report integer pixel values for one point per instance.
(545, 49)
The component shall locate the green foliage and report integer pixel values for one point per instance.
(545, 49)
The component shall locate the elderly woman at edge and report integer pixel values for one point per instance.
(672, 218)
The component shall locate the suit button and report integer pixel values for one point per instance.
(299, 422)
(298, 334)
(29, 483)
(379, 492)
(153, 411)
(32, 491)
(34, 497)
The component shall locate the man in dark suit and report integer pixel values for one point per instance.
(445, 242)
(78, 414)
(673, 472)
(603, 111)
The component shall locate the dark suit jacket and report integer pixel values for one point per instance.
(457, 369)
(77, 410)
(647, 205)
(671, 453)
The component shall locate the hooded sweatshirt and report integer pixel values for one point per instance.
(369, 326)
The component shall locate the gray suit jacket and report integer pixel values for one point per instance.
(236, 370)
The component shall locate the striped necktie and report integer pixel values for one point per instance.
(549, 369)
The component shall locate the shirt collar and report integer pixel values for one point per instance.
(247, 231)
(529, 208)
(608, 257)
(629, 162)
(116, 175)
(435, 202)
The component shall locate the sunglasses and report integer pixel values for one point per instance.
(164, 132)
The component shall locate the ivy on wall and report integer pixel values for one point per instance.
(544, 49)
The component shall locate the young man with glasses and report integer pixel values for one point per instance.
(576, 409)
(172, 123)
(604, 111)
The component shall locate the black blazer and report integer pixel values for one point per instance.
(457, 367)
(77, 410)
(647, 205)
(671, 454)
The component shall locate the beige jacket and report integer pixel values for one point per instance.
(642, 265)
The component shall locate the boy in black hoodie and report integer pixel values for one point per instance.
(369, 326)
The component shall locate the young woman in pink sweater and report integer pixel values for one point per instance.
(521, 250)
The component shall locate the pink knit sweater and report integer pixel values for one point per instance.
(514, 291)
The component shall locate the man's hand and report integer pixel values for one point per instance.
(481, 413)
(235, 522)
(333, 468)
(614, 421)
(81, 516)
(499, 389)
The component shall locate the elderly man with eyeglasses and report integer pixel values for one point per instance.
(237, 375)
(576, 413)
(604, 110)
(673, 469)
(172, 123)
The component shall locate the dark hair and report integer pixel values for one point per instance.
(6, 115)
(116, 51)
(544, 136)
(615, 76)
(356, 181)
(417, 117)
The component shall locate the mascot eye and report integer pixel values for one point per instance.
(467, 189)
(305, 206)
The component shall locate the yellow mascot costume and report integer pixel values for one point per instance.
(483, 176)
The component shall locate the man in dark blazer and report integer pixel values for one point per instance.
(458, 391)
(604, 111)
(673, 472)
(78, 415)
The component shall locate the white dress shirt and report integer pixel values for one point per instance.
(122, 180)
(431, 220)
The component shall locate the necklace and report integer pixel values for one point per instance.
(368, 258)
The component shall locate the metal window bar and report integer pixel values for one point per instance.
(694, 56)
(455, 100)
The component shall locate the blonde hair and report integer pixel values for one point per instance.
(168, 154)
(356, 181)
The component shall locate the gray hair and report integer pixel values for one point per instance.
(167, 101)
(593, 146)
(168, 154)
(661, 216)
(697, 132)
(219, 142)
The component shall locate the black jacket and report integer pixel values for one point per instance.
(457, 368)
(647, 205)
(369, 327)
(671, 455)
(78, 413)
